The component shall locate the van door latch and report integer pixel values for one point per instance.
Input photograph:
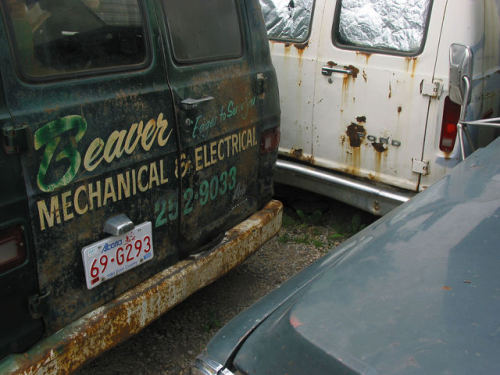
(15, 139)
(420, 166)
(433, 89)
(190, 103)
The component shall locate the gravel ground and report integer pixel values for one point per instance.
(312, 226)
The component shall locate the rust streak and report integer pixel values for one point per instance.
(365, 54)
(413, 61)
(301, 46)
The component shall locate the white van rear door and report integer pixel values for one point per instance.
(373, 87)
(294, 32)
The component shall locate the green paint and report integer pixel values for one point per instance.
(49, 136)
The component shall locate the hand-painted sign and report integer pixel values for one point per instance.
(99, 151)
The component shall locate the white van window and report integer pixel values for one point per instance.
(203, 30)
(397, 25)
(288, 20)
(58, 37)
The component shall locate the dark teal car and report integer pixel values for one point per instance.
(417, 292)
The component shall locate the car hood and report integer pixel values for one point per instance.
(418, 292)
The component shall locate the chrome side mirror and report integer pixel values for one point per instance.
(460, 73)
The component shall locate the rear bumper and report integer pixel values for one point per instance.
(103, 328)
(377, 199)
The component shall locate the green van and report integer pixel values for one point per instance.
(139, 139)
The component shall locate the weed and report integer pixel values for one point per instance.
(212, 323)
(284, 238)
(288, 221)
(335, 236)
(318, 244)
(303, 240)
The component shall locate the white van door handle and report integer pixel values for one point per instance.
(190, 103)
(328, 70)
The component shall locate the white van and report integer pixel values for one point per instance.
(366, 116)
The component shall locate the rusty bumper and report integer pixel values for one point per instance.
(103, 328)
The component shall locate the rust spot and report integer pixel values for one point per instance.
(342, 140)
(51, 110)
(361, 119)
(379, 147)
(413, 62)
(287, 45)
(299, 83)
(301, 46)
(447, 288)
(365, 77)
(299, 154)
(295, 322)
(296, 153)
(331, 63)
(400, 109)
(390, 91)
(354, 70)
(355, 132)
(365, 54)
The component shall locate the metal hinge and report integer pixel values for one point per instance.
(38, 304)
(433, 89)
(420, 166)
(15, 139)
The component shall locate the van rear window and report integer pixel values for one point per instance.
(390, 25)
(287, 20)
(203, 30)
(60, 37)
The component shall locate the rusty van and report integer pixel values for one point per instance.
(366, 111)
(139, 139)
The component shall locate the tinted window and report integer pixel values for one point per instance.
(203, 29)
(397, 25)
(54, 37)
(287, 19)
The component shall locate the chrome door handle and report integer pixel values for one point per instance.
(328, 70)
(190, 103)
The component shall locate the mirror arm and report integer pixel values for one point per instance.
(461, 127)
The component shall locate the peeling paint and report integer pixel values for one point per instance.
(355, 132)
(379, 147)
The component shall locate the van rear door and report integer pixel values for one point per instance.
(86, 80)
(218, 114)
(374, 83)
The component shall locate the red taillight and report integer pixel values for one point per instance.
(269, 141)
(12, 248)
(451, 115)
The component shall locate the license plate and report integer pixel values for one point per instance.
(115, 255)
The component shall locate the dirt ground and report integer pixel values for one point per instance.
(312, 226)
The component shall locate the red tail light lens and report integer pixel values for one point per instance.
(451, 115)
(12, 248)
(269, 141)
